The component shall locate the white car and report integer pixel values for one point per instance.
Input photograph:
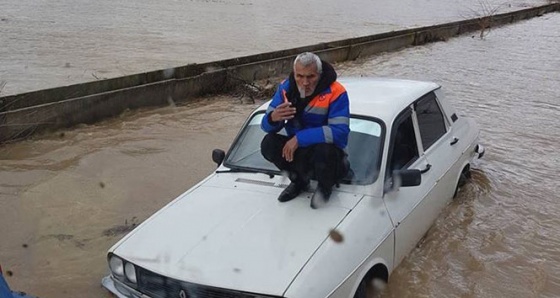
(228, 236)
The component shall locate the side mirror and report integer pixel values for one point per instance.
(406, 178)
(218, 156)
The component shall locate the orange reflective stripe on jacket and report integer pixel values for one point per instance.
(324, 100)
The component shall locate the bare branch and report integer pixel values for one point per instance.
(485, 14)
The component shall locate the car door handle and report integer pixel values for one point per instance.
(454, 141)
(428, 167)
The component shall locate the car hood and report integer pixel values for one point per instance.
(232, 234)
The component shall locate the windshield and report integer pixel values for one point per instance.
(364, 149)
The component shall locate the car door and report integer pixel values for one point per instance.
(405, 204)
(442, 149)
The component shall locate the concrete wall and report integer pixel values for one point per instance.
(23, 115)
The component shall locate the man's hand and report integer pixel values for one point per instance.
(289, 149)
(283, 112)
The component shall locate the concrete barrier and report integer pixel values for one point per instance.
(25, 114)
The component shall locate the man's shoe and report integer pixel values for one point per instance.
(320, 197)
(292, 191)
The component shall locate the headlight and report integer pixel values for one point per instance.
(130, 272)
(116, 265)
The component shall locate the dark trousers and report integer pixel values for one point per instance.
(325, 162)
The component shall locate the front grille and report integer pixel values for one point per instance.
(159, 286)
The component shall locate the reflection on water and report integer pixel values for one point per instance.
(67, 198)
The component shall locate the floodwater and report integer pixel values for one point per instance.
(67, 197)
(46, 44)
(500, 237)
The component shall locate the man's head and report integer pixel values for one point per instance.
(307, 72)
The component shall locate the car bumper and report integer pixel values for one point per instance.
(480, 150)
(119, 289)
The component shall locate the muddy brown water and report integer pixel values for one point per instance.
(68, 196)
(49, 44)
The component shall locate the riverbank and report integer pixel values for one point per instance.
(47, 45)
(26, 114)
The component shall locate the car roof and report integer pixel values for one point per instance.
(382, 98)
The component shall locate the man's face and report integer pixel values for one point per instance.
(307, 78)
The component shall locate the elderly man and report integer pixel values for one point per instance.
(314, 110)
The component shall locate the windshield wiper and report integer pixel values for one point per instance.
(241, 170)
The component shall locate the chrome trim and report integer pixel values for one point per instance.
(480, 150)
(119, 289)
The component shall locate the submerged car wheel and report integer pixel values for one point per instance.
(463, 178)
(365, 290)
(361, 292)
(373, 283)
(370, 288)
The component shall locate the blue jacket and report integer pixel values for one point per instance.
(325, 119)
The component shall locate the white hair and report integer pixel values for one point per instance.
(308, 58)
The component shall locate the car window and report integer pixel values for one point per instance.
(430, 120)
(364, 149)
(404, 147)
(246, 150)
